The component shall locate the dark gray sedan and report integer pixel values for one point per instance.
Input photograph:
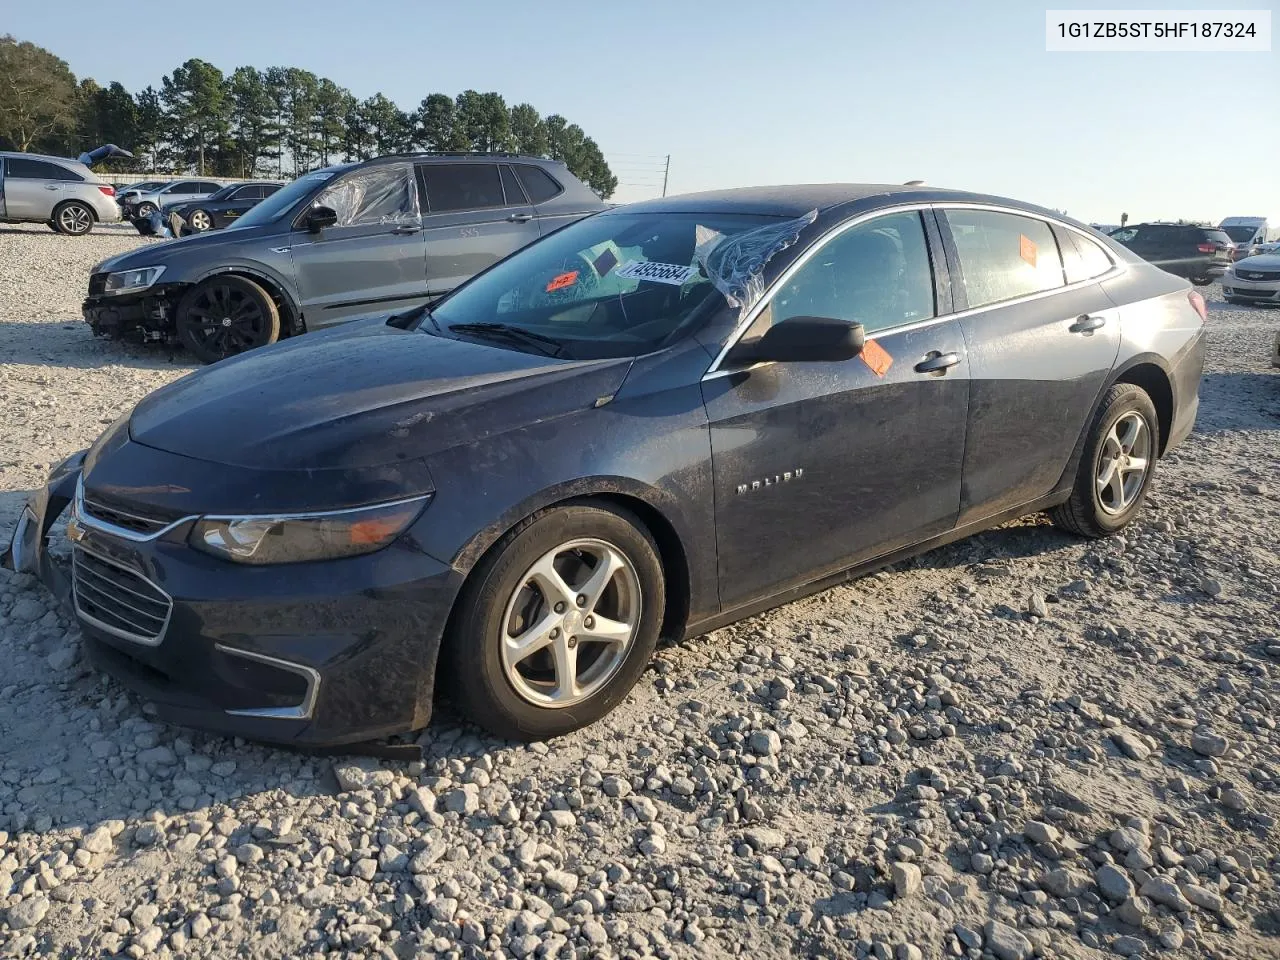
(332, 245)
(655, 421)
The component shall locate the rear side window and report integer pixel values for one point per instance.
(1083, 258)
(877, 274)
(1004, 256)
(183, 186)
(515, 196)
(538, 184)
(462, 186)
(23, 168)
(209, 187)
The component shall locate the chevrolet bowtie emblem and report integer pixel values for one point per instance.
(772, 481)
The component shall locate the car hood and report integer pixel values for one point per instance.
(363, 395)
(154, 254)
(1261, 261)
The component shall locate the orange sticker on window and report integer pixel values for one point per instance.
(876, 357)
(1027, 249)
(562, 281)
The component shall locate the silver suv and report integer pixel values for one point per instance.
(63, 193)
(141, 204)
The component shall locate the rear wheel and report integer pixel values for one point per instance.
(557, 623)
(1202, 281)
(226, 315)
(144, 210)
(1117, 465)
(73, 218)
(200, 221)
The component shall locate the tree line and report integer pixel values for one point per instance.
(280, 122)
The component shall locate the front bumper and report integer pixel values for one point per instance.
(146, 315)
(1254, 291)
(310, 654)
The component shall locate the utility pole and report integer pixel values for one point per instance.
(665, 173)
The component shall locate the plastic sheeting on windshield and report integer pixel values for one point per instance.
(383, 194)
(735, 264)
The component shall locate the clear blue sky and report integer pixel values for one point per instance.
(750, 92)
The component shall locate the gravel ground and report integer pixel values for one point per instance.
(1021, 745)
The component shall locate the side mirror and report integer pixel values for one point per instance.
(320, 217)
(803, 339)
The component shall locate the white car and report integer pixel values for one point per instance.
(63, 193)
(1253, 280)
(142, 205)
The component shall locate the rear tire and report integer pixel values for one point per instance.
(199, 221)
(1110, 488)
(144, 210)
(506, 609)
(73, 218)
(226, 315)
(1202, 281)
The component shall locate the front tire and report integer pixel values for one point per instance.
(556, 623)
(1117, 465)
(73, 218)
(1202, 281)
(199, 221)
(224, 316)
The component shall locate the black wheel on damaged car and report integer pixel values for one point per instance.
(556, 622)
(73, 218)
(1116, 467)
(226, 315)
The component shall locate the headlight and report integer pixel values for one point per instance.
(129, 280)
(1231, 269)
(296, 538)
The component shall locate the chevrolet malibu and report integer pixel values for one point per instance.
(653, 422)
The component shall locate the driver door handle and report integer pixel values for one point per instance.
(406, 229)
(937, 362)
(520, 218)
(1087, 324)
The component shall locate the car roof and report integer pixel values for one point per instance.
(798, 199)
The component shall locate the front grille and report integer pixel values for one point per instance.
(119, 518)
(1246, 292)
(97, 284)
(1258, 276)
(117, 599)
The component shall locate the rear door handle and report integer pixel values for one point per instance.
(937, 362)
(520, 218)
(1087, 324)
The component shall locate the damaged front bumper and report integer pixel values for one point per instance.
(28, 552)
(145, 316)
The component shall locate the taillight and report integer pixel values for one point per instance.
(109, 191)
(1198, 304)
(1206, 248)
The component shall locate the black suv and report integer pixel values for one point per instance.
(335, 244)
(1201, 254)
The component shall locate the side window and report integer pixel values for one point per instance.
(1124, 235)
(538, 184)
(1004, 256)
(511, 187)
(183, 186)
(1092, 259)
(269, 188)
(877, 274)
(22, 168)
(462, 186)
(380, 194)
(209, 187)
(248, 193)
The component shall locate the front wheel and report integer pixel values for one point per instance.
(200, 221)
(1116, 468)
(226, 315)
(73, 218)
(1202, 281)
(557, 622)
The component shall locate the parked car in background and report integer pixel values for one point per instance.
(217, 210)
(599, 440)
(63, 193)
(127, 194)
(1251, 235)
(1200, 254)
(335, 244)
(1255, 279)
(142, 203)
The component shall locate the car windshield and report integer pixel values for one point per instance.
(284, 198)
(1240, 234)
(613, 285)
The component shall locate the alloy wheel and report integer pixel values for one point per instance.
(570, 623)
(74, 218)
(1123, 463)
(226, 320)
(200, 221)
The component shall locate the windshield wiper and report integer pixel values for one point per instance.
(505, 331)
(404, 321)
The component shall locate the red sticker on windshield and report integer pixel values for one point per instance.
(1027, 249)
(562, 281)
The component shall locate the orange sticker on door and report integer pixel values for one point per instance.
(876, 357)
(562, 281)
(1027, 249)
